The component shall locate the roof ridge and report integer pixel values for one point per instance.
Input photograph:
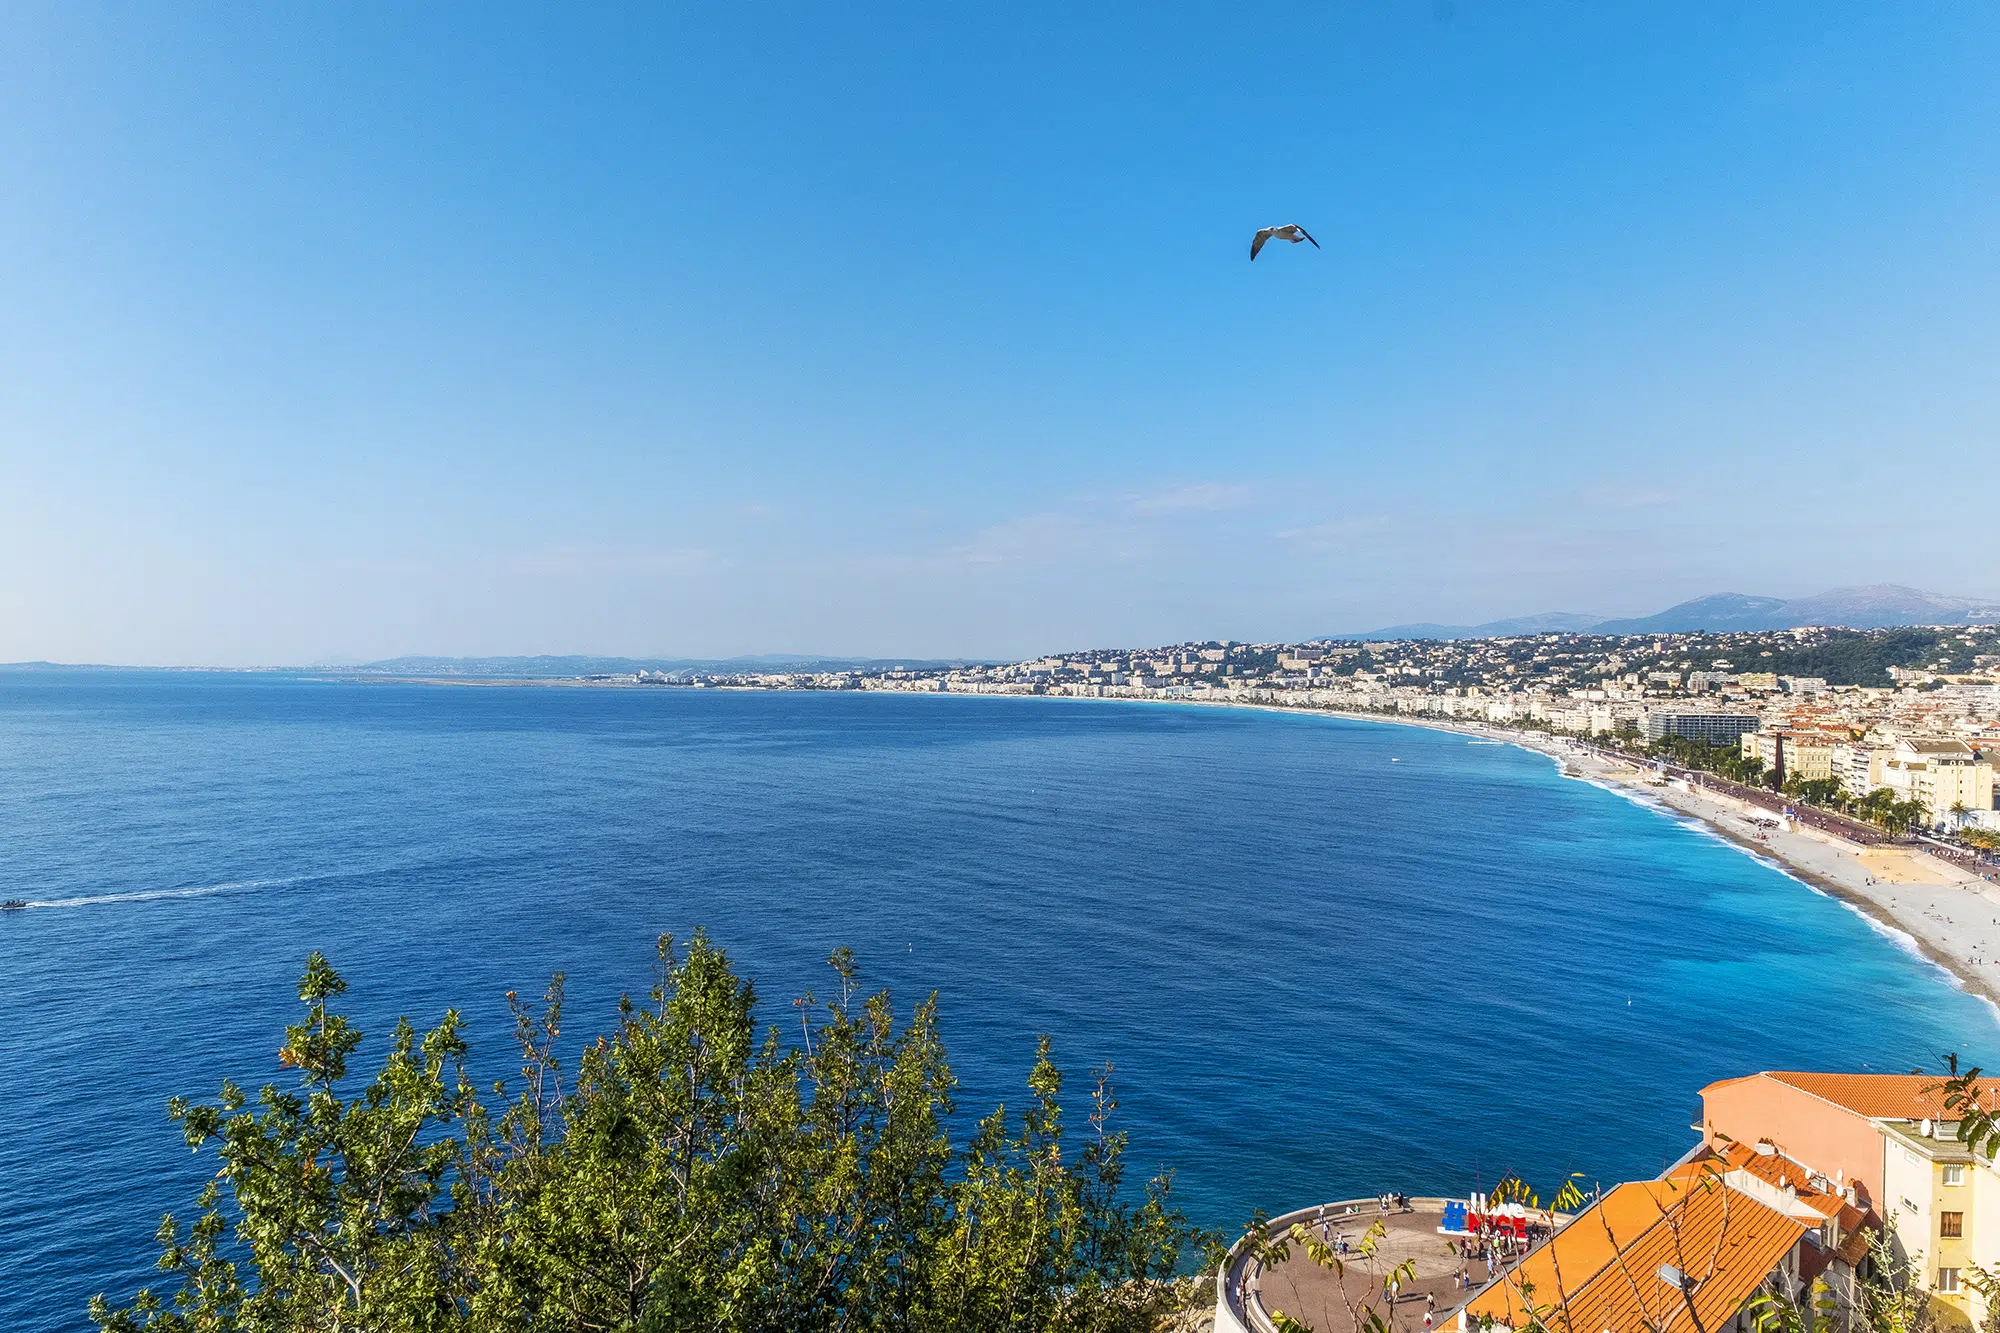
(1778, 1075)
(1665, 1218)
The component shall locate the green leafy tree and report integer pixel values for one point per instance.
(340, 1204)
(1813, 791)
(1817, 1311)
(1895, 1298)
(687, 1173)
(1884, 808)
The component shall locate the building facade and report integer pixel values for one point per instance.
(1889, 1143)
(1946, 776)
(1793, 754)
(1709, 726)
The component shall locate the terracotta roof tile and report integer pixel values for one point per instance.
(1883, 1096)
(1776, 1169)
(1603, 1270)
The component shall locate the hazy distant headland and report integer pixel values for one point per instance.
(1873, 606)
(559, 667)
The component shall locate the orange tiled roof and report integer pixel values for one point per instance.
(1883, 1096)
(1773, 1168)
(1578, 1253)
(1602, 1271)
(1854, 1223)
(1857, 1231)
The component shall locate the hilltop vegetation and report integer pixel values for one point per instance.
(1851, 657)
(1839, 656)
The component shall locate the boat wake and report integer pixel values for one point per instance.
(149, 895)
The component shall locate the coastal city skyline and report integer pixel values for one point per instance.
(350, 335)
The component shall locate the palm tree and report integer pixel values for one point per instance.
(1906, 814)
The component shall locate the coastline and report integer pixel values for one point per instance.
(1929, 906)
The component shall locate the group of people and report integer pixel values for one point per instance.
(1494, 1257)
(1496, 1250)
(1337, 1239)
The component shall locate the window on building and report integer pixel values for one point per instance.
(1947, 1280)
(1951, 1224)
(1954, 1174)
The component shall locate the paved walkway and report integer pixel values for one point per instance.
(1304, 1290)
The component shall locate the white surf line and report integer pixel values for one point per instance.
(1888, 930)
(149, 895)
(1902, 939)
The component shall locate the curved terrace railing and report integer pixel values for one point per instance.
(1239, 1305)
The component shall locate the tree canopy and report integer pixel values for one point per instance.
(686, 1172)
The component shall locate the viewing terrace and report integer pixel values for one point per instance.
(1302, 1289)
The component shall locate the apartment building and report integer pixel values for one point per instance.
(1794, 754)
(1797, 1178)
(1883, 1142)
(1942, 774)
(1709, 726)
(1858, 765)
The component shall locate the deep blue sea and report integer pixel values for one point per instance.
(1326, 957)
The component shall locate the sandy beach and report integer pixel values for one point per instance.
(1950, 915)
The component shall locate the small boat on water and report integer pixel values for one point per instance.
(13, 905)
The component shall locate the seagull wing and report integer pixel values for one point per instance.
(1257, 242)
(1303, 232)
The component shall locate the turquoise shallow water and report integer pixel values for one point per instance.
(1327, 957)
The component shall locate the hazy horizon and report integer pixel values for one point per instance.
(779, 654)
(497, 330)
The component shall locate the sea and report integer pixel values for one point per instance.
(1324, 957)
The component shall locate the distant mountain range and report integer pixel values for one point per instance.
(1876, 606)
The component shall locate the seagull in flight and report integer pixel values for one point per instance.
(1291, 231)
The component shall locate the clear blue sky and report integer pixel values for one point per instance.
(360, 330)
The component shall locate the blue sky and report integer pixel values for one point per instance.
(360, 330)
